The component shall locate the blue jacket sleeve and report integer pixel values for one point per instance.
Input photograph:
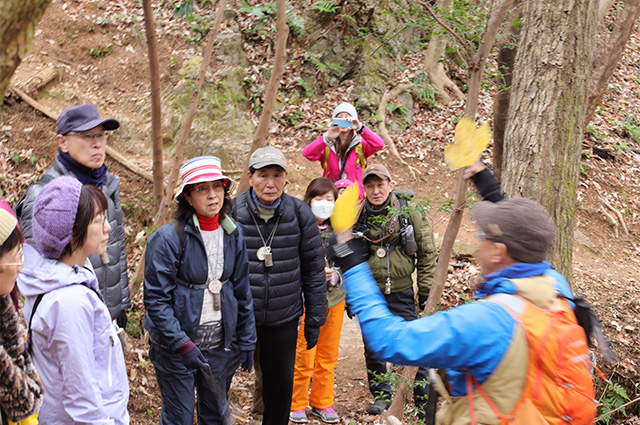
(246, 327)
(474, 336)
(160, 270)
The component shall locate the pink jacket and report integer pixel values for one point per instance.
(371, 143)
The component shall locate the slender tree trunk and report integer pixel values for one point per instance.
(608, 52)
(156, 106)
(18, 20)
(547, 111)
(161, 216)
(433, 65)
(260, 137)
(506, 60)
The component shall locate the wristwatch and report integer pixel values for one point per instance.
(361, 129)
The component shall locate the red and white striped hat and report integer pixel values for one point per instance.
(201, 169)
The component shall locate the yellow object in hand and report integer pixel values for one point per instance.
(346, 209)
(31, 420)
(468, 145)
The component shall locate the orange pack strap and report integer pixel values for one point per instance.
(471, 381)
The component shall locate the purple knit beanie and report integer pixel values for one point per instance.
(55, 214)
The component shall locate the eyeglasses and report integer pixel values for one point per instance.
(90, 138)
(20, 262)
(102, 220)
(482, 235)
(205, 188)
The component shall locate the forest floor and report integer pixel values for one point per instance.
(70, 38)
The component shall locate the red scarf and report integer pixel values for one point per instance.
(208, 224)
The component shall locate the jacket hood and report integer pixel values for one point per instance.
(535, 282)
(41, 275)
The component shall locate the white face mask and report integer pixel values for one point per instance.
(322, 209)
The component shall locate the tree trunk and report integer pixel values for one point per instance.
(18, 19)
(547, 111)
(506, 60)
(161, 215)
(272, 89)
(433, 65)
(608, 52)
(156, 105)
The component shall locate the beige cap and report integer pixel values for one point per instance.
(376, 170)
(264, 157)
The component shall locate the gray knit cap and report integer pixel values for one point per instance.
(55, 215)
(345, 107)
(521, 224)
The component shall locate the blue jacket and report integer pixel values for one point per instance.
(173, 309)
(473, 336)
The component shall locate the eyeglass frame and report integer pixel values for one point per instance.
(90, 138)
(20, 255)
(214, 185)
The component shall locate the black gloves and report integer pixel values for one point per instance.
(311, 334)
(246, 360)
(422, 301)
(193, 357)
(348, 254)
(121, 319)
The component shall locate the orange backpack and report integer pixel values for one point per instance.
(558, 387)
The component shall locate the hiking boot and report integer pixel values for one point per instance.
(379, 406)
(298, 416)
(327, 415)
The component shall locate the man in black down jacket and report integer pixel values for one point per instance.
(286, 272)
(82, 143)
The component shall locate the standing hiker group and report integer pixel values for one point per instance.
(263, 281)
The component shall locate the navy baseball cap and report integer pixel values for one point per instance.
(83, 118)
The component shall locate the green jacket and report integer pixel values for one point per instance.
(400, 264)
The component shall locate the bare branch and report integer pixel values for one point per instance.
(444, 25)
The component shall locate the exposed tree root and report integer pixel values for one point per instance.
(382, 125)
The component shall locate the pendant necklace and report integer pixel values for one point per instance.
(264, 252)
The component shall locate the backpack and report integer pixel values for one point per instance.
(558, 386)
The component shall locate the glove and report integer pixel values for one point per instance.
(246, 360)
(348, 254)
(422, 301)
(311, 334)
(121, 320)
(192, 357)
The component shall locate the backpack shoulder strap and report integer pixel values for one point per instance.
(325, 157)
(362, 160)
(180, 231)
(33, 313)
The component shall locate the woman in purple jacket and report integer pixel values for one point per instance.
(73, 340)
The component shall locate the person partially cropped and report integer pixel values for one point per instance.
(482, 345)
(317, 365)
(343, 151)
(74, 342)
(21, 392)
(197, 297)
(286, 271)
(82, 142)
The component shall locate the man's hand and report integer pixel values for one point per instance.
(422, 301)
(348, 253)
(121, 319)
(474, 169)
(311, 335)
(246, 360)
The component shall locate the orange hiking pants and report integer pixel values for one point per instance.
(320, 362)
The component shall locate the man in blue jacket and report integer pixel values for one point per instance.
(480, 338)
